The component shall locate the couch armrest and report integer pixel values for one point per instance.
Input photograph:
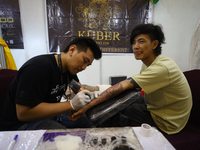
(6, 77)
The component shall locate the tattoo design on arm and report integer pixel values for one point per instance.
(135, 85)
(109, 93)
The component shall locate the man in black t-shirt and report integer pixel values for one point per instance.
(33, 100)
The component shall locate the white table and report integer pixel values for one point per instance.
(28, 140)
(156, 141)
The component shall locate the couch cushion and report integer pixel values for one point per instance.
(193, 77)
(187, 139)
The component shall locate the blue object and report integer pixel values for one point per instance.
(10, 147)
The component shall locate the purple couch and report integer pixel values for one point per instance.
(187, 139)
(6, 77)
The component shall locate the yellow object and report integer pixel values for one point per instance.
(154, 1)
(10, 63)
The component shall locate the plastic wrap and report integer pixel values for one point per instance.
(103, 138)
(49, 142)
(107, 109)
(92, 139)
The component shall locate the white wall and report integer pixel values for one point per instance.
(179, 19)
(33, 30)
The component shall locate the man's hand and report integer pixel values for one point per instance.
(90, 88)
(95, 94)
(81, 99)
(73, 116)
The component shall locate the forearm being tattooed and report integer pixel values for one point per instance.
(108, 94)
(114, 91)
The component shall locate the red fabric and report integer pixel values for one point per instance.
(142, 92)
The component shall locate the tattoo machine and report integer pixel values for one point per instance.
(76, 87)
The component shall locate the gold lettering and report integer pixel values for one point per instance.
(99, 35)
(108, 34)
(103, 49)
(99, 43)
(116, 35)
(93, 34)
(105, 43)
(10, 20)
(6, 20)
(114, 50)
(88, 33)
(81, 34)
(2, 19)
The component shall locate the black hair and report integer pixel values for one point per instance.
(155, 33)
(83, 43)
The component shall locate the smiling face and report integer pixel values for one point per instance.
(143, 48)
(75, 61)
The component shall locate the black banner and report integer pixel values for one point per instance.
(11, 23)
(108, 22)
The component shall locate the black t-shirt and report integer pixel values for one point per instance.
(38, 80)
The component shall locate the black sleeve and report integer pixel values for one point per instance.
(32, 86)
(135, 85)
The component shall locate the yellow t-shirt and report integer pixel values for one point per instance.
(167, 94)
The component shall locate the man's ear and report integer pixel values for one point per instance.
(155, 44)
(72, 49)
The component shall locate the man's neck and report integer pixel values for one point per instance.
(149, 61)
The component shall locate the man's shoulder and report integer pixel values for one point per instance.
(44, 57)
(164, 61)
(163, 58)
(41, 63)
(40, 60)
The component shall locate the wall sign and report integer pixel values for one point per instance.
(108, 22)
(10, 21)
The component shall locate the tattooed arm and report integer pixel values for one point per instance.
(106, 95)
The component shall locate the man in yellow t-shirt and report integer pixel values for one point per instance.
(167, 94)
(167, 101)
